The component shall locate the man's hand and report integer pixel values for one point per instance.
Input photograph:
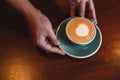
(42, 33)
(40, 27)
(83, 4)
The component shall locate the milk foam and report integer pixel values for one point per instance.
(82, 30)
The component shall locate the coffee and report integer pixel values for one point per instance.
(80, 30)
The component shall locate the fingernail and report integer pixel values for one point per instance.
(62, 54)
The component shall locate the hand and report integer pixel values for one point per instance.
(42, 33)
(83, 4)
(40, 27)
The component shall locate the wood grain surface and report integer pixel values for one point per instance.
(21, 60)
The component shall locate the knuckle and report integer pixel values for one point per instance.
(39, 43)
(82, 14)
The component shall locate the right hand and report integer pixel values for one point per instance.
(42, 33)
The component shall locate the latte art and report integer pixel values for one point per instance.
(82, 30)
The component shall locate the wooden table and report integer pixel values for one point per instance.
(21, 60)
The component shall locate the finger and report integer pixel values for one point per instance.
(53, 38)
(82, 7)
(48, 48)
(72, 9)
(57, 50)
(77, 1)
(91, 9)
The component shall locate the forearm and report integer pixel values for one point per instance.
(23, 6)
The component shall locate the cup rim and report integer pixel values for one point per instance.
(79, 42)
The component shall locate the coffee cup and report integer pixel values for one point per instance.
(79, 37)
(80, 30)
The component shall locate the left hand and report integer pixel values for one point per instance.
(83, 4)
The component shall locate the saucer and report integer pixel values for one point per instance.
(78, 50)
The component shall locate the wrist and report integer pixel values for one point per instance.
(29, 10)
(30, 13)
